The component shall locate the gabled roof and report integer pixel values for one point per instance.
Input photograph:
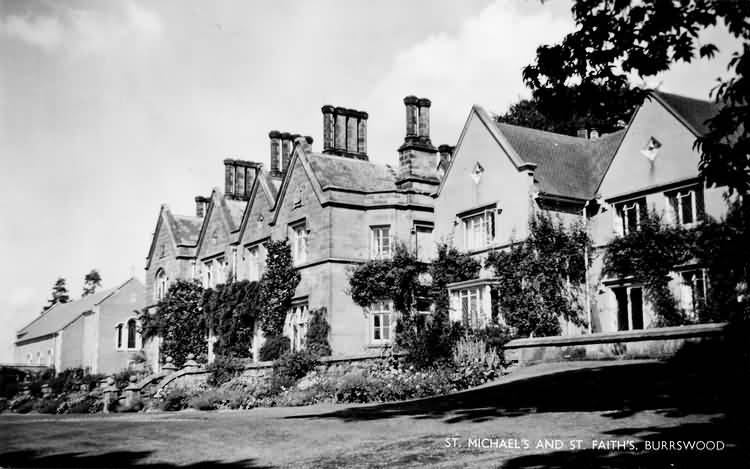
(184, 232)
(230, 215)
(62, 314)
(351, 174)
(186, 229)
(233, 210)
(566, 166)
(693, 112)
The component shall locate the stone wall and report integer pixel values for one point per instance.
(647, 343)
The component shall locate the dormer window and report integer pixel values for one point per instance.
(651, 149)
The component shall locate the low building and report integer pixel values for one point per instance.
(99, 332)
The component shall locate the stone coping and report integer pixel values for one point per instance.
(328, 360)
(660, 333)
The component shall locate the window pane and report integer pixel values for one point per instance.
(131, 334)
(687, 207)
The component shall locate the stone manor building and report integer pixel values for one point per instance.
(338, 209)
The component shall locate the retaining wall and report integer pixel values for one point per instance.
(646, 343)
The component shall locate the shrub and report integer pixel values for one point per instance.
(223, 369)
(212, 399)
(47, 405)
(174, 399)
(316, 339)
(4, 404)
(274, 347)
(291, 367)
(86, 404)
(135, 406)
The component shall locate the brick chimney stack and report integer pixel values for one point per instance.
(344, 132)
(201, 205)
(418, 160)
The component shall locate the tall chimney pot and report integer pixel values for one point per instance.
(328, 124)
(412, 115)
(275, 137)
(424, 119)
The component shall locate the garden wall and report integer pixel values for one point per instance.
(647, 343)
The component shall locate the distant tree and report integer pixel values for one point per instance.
(617, 39)
(91, 282)
(567, 109)
(59, 294)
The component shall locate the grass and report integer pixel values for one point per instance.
(558, 402)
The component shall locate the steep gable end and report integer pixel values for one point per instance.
(657, 150)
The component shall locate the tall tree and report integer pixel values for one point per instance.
(616, 39)
(91, 282)
(59, 294)
(567, 109)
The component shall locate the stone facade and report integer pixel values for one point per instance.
(338, 210)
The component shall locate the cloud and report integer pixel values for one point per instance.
(481, 63)
(82, 32)
(45, 32)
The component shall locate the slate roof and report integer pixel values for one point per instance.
(186, 229)
(566, 166)
(63, 314)
(352, 174)
(234, 210)
(694, 111)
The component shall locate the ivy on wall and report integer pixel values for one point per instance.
(231, 311)
(179, 321)
(540, 279)
(277, 287)
(426, 338)
(316, 338)
(651, 253)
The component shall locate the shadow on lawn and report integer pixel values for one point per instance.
(644, 455)
(114, 459)
(620, 390)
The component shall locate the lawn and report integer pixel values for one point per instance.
(561, 407)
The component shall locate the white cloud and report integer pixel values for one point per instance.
(480, 64)
(82, 32)
(44, 31)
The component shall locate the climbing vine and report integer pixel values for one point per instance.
(316, 338)
(277, 287)
(231, 311)
(179, 321)
(426, 338)
(540, 279)
(650, 254)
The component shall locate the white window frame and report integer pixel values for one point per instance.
(472, 319)
(381, 312)
(380, 242)
(122, 335)
(479, 229)
(299, 236)
(624, 208)
(161, 282)
(253, 263)
(693, 289)
(675, 200)
(298, 318)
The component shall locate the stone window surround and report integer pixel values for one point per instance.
(122, 335)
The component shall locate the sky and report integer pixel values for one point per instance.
(110, 108)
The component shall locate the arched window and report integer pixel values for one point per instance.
(50, 361)
(160, 289)
(131, 334)
(29, 358)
